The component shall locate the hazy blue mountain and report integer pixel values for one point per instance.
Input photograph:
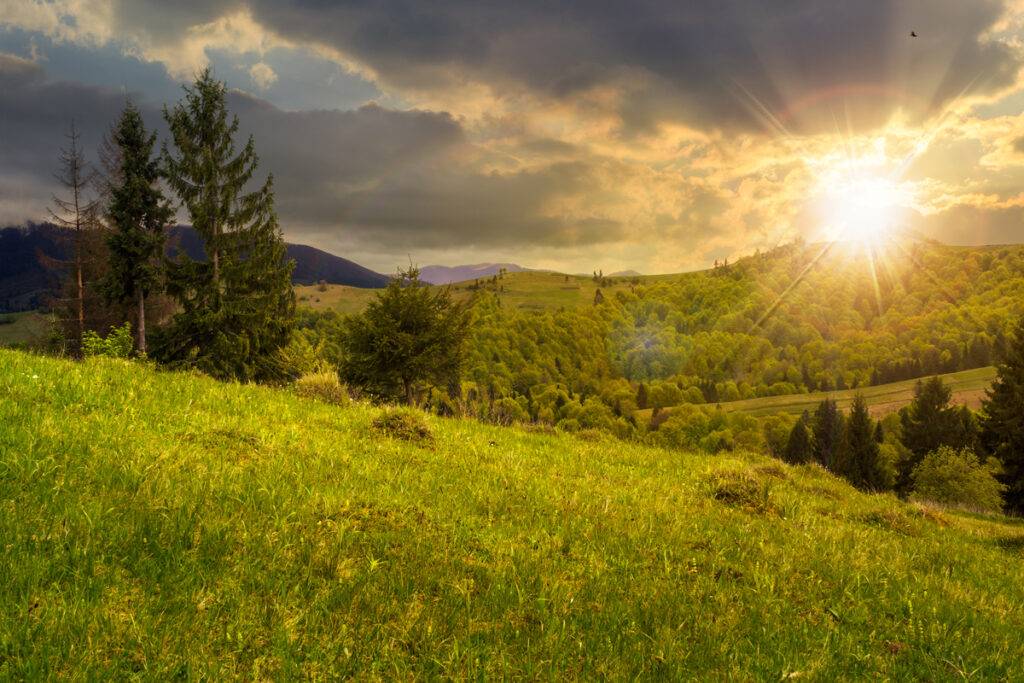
(442, 275)
(24, 282)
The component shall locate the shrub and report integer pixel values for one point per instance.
(322, 385)
(741, 489)
(117, 344)
(403, 423)
(957, 477)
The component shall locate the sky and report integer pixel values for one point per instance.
(651, 135)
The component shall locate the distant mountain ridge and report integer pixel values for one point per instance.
(25, 283)
(443, 275)
(311, 264)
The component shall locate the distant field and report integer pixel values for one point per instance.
(523, 290)
(968, 389)
(26, 327)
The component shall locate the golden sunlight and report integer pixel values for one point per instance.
(864, 209)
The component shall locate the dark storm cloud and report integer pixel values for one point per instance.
(393, 180)
(459, 207)
(693, 61)
(386, 178)
(35, 117)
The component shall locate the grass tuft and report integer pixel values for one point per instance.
(403, 423)
(742, 489)
(891, 520)
(322, 386)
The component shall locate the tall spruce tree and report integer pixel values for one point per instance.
(859, 459)
(929, 422)
(1002, 423)
(798, 447)
(137, 212)
(237, 306)
(826, 430)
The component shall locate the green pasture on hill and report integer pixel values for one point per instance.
(22, 328)
(527, 290)
(968, 388)
(162, 525)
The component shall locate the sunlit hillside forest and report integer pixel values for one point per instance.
(800, 318)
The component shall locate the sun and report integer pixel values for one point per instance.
(861, 208)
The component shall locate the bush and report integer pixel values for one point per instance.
(403, 423)
(117, 344)
(957, 477)
(322, 385)
(741, 489)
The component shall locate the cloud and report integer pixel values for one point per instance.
(807, 65)
(669, 133)
(810, 63)
(262, 76)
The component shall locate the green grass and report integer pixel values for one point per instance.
(522, 290)
(967, 388)
(23, 328)
(160, 525)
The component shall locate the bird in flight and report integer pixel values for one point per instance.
(913, 34)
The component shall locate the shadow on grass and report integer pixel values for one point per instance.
(1012, 544)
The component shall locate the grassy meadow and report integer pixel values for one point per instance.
(526, 290)
(158, 525)
(967, 388)
(22, 328)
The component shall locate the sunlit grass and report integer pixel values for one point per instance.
(517, 291)
(158, 525)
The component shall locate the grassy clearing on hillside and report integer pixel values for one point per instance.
(158, 525)
(526, 290)
(968, 388)
(22, 328)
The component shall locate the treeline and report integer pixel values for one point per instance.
(228, 314)
(933, 451)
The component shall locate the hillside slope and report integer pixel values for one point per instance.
(162, 525)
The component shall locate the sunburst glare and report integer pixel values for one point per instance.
(860, 208)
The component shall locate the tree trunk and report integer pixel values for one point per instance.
(142, 321)
(81, 288)
(408, 391)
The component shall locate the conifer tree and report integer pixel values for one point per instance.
(642, 396)
(1002, 424)
(137, 213)
(929, 422)
(859, 458)
(406, 336)
(798, 447)
(76, 216)
(237, 306)
(827, 429)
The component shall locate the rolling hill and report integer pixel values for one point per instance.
(164, 525)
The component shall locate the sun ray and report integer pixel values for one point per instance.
(874, 278)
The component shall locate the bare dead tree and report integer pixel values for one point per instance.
(76, 215)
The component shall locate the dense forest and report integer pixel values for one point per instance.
(800, 318)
